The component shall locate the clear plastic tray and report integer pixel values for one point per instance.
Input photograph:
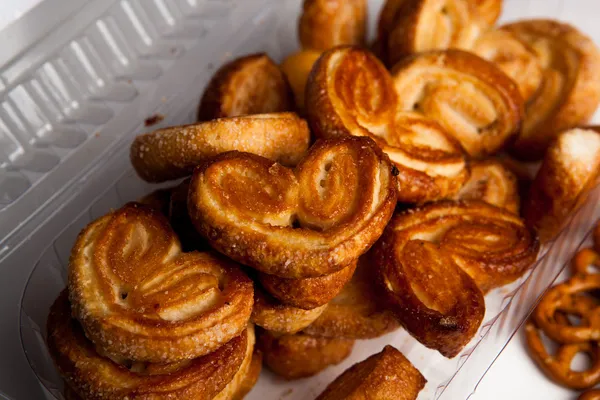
(79, 90)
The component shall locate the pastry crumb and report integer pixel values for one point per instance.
(153, 119)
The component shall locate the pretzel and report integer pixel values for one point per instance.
(137, 296)
(593, 394)
(493, 183)
(583, 260)
(472, 99)
(351, 93)
(515, 58)
(307, 222)
(558, 366)
(425, 25)
(307, 293)
(296, 68)
(328, 23)
(173, 153)
(252, 84)
(274, 316)
(569, 298)
(568, 173)
(357, 312)
(300, 356)
(570, 89)
(387, 375)
(94, 377)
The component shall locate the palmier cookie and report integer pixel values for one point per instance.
(434, 285)
(489, 10)
(180, 220)
(92, 376)
(300, 356)
(274, 316)
(297, 67)
(172, 153)
(328, 23)
(350, 92)
(307, 293)
(469, 97)
(295, 223)
(568, 172)
(493, 183)
(357, 312)
(252, 84)
(138, 297)
(426, 25)
(570, 89)
(387, 375)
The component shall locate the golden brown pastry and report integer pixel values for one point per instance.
(350, 92)
(493, 183)
(299, 356)
(180, 220)
(570, 90)
(489, 10)
(272, 315)
(434, 262)
(251, 376)
(172, 153)
(383, 376)
(139, 297)
(515, 58)
(469, 97)
(95, 377)
(357, 312)
(307, 293)
(296, 68)
(569, 170)
(328, 23)
(158, 199)
(252, 84)
(593, 394)
(311, 221)
(425, 25)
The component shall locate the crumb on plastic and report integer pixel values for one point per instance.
(287, 393)
(97, 134)
(153, 119)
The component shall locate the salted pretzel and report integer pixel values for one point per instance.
(514, 57)
(311, 221)
(493, 183)
(569, 171)
(139, 297)
(328, 23)
(558, 366)
(435, 261)
(350, 92)
(570, 89)
(425, 25)
(387, 375)
(251, 84)
(272, 315)
(357, 312)
(92, 376)
(307, 293)
(300, 356)
(174, 152)
(569, 298)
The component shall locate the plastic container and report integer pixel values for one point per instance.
(78, 84)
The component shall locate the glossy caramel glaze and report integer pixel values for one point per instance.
(357, 312)
(311, 221)
(307, 293)
(469, 97)
(383, 376)
(300, 356)
(570, 89)
(350, 92)
(493, 183)
(95, 377)
(139, 297)
(328, 23)
(569, 171)
(252, 84)
(174, 152)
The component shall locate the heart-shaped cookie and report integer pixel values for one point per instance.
(139, 297)
(295, 223)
